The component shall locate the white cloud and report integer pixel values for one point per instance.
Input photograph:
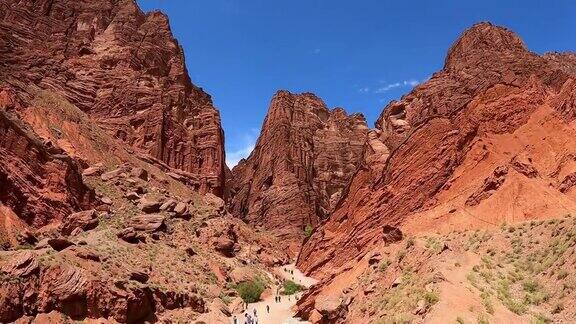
(390, 86)
(364, 90)
(246, 147)
(316, 51)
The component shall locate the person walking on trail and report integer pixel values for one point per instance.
(255, 312)
(235, 320)
(268, 309)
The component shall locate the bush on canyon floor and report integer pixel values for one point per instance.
(250, 291)
(290, 287)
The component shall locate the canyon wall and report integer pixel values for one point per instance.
(485, 141)
(302, 161)
(122, 67)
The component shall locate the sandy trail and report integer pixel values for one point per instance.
(281, 312)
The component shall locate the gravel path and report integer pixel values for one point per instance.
(282, 312)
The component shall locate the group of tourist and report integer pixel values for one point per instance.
(249, 319)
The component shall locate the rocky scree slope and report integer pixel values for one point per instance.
(302, 161)
(90, 230)
(521, 273)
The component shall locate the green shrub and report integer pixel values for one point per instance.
(431, 298)
(250, 291)
(562, 274)
(530, 285)
(482, 319)
(308, 230)
(409, 242)
(290, 287)
(541, 319)
(487, 302)
(384, 265)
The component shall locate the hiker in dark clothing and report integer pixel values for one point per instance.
(235, 320)
(254, 312)
(268, 309)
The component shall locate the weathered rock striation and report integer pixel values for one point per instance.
(122, 67)
(494, 106)
(39, 183)
(302, 161)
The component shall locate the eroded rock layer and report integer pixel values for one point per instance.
(486, 140)
(302, 161)
(121, 66)
(39, 183)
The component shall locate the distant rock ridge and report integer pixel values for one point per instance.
(302, 161)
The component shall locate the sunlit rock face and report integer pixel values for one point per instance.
(125, 69)
(300, 166)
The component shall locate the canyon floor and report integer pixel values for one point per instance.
(284, 310)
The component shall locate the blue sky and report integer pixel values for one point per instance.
(353, 54)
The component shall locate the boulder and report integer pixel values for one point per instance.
(148, 223)
(398, 281)
(420, 307)
(241, 274)
(60, 243)
(139, 173)
(106, 200)
(168, 205)
(86, 220)
(215, 202)
(86, 254)
(315, 317)
(129, 235)
(190, 251)
(225, 246)
(150, 204)
(77, 231)
(181, 209)
(236, 305)
(132, 196)
(139, 276)
(26, 237)
(21, 264)
(391, 234)
(111, 174)
(92, 171)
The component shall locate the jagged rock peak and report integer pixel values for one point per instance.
(288, 102)
(484, 38)
(304, 157)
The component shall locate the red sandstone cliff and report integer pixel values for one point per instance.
(38, 182)
(122, 67)
(303, 159)
(486, 140)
